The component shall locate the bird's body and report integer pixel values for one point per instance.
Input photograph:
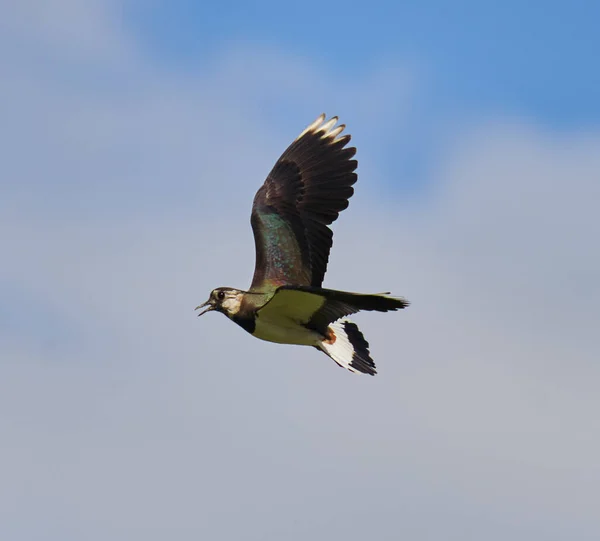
(304, 193)
(285, 330)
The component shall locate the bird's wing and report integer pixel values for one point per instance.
(305, 191)
(316, 308)
(301, 306)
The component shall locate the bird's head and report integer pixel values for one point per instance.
(223, 299)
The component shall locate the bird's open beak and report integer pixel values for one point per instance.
(207, 303)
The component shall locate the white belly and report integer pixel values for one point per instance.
(285, 331)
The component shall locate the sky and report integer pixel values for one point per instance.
(134, 137)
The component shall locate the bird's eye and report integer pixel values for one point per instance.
(220, 295)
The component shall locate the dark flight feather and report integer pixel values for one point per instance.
(305, 191)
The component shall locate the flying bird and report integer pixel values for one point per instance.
(303, 194)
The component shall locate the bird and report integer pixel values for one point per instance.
(308, 187)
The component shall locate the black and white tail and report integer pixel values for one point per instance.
(347, 346)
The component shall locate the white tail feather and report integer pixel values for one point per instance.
(340, 347)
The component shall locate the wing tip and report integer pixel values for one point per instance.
(400, 302)
(327, 129)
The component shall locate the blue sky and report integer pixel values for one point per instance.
(468, 59)
(535, 58)
(135, 136)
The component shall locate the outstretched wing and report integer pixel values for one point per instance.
(304, 193)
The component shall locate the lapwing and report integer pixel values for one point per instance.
(303, 194)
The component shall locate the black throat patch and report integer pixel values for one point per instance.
(248, 323)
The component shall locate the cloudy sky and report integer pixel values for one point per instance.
(134, 136)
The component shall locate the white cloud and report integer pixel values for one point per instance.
(125, 416)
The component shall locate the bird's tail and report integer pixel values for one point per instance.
(347, 346)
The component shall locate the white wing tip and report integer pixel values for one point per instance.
(327, 128)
